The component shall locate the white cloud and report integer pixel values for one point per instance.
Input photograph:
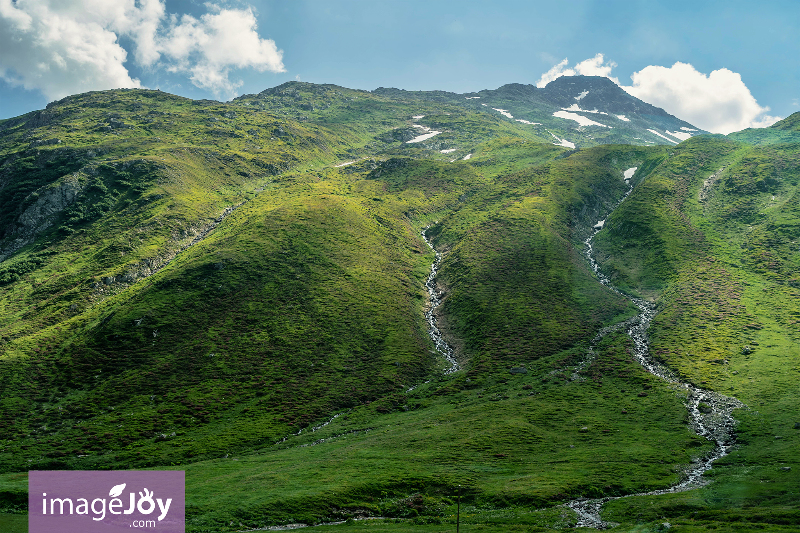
(43, 47)
(63, 47)
(557, 71)
(595, 66)
(719, 102)
(207, 48)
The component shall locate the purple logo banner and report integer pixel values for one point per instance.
(63, 501)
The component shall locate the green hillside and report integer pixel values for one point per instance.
(238, 290)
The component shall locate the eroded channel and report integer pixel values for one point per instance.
(435, 297)
(710, 413)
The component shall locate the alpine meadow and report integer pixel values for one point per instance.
(538, 309)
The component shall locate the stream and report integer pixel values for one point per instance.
(710, 413)
(435, 296)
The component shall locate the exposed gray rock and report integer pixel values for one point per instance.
(38, 217)
(45, 142)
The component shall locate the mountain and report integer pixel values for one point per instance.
(239, 290)
(577, 111)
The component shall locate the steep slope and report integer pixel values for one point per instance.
(188, 278)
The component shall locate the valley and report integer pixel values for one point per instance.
(323, 313)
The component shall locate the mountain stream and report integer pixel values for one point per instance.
(710, 413)
(435, 296)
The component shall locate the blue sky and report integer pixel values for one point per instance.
(736, 58)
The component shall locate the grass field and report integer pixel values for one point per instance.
(218, 288)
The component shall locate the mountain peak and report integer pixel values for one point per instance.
(597, 92)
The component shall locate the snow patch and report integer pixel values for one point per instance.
(417, 117)
(425, 136)
(483, 105)
(344, 164)
(682, 135)
(528, 122)
(471, 97)
(448, 150)
(562, 142)
(582, 95)
(581, 120)
(628, 174)
(654, 132)
(600, 225)
(684, 128)
(623, 117)
(565, 143)
(504, 112)
(467, 157)
(576, 107)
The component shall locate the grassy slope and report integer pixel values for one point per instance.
(315, 252)
(500, 437)
(303, 228)
(724, 272)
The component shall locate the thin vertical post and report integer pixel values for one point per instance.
(458, 510)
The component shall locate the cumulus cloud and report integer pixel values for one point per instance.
(63, 47)
(207, 48)
(47, 49)
(595, 66)
(719, 102)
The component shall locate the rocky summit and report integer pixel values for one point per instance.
(541, 308)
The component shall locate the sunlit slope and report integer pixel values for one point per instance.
(712, 235)
(173, 290)
(518, 284)
(296, 307)
(189, 284)
(306, 301)
(110, 295)
(389, 124)
(529, 439)
(113, 184)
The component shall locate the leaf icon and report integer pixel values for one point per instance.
(116, 490)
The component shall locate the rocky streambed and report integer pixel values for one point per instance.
(435, 298)
(710, 413)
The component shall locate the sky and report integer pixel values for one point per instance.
(722, 66)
